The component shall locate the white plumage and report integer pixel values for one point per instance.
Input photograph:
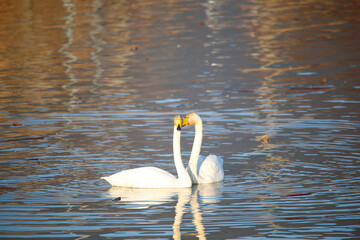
(153, 177)
(201, 169)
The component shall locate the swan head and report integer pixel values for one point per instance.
(190, 119)
(177, 122)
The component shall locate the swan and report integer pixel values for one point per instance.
(153, 177)
(201, 169)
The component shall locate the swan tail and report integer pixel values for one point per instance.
(106, 179)
(114, 180)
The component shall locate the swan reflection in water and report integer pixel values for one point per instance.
(137, 198)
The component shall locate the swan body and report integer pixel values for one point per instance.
(153, 177)
(209, 169)
(201, 169)
(143, 177)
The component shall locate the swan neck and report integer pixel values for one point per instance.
(195, 152)
(183, 176)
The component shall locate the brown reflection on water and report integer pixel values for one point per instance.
(299, 44)
(31, 36)
(313, 34)
(309, 63)
(56, 50)
(25, 47)
(59, 59)
(91, 72)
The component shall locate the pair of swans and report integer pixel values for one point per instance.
(200, 169)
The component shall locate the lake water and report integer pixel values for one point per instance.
(90, 88)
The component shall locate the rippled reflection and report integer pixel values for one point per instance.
(137, 198)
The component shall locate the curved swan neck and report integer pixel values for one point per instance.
(183, 176)
(195, 152)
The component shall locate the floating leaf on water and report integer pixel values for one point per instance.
(265, 139)
(323, 81)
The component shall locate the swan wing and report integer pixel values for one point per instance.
(210, 169)
(144, 177)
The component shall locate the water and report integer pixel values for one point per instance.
(89, 88)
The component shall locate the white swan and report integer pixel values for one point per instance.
(201, 169)
(153, 177)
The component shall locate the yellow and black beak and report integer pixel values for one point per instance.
(185, 122)
(178, 123)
